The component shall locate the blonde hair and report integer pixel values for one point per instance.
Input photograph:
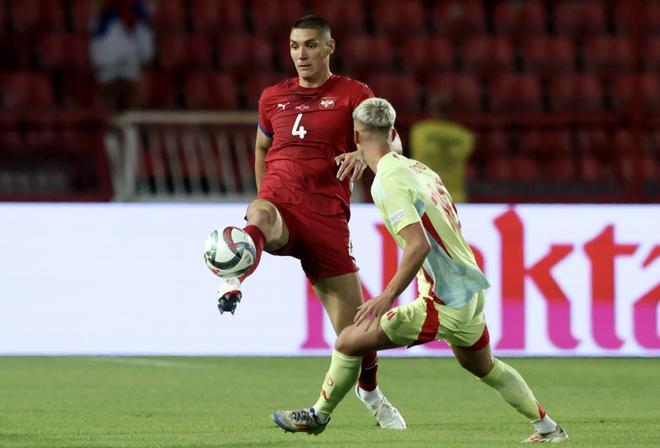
(377, 114)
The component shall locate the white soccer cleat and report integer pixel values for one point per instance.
(386, 415)
(556, 436)
(229, 295)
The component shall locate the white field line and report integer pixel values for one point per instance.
(141, 361)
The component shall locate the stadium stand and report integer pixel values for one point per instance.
(562, 95)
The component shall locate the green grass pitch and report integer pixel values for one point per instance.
(213, 402)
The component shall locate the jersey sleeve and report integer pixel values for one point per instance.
(397, 202)
(360, 93)
(264, 115)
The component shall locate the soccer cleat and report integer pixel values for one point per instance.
(386, 415)
(229, 295)
(303, 420)
(556, 436)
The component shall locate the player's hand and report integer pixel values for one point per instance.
(350, 163)
(372, 311)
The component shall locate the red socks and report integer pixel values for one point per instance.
(367, 380)
(259, 242)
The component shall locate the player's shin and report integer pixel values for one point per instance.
(259, 240)
(514, 390)
(342, 375)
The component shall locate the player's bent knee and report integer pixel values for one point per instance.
(475, 363)
(262, 211)
(345, 343)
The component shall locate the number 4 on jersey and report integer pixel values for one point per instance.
(297, 129)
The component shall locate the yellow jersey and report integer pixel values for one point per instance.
(407, 191)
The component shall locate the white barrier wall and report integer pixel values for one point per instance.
(130, 279)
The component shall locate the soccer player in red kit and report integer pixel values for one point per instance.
(305, 160)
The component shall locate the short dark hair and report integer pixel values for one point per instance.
(313, 22)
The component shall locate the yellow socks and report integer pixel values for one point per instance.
(515, 391)
(341, 377)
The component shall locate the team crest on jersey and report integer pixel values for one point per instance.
(302, 107)
(327, 102)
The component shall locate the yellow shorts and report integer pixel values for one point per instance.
(424, 320)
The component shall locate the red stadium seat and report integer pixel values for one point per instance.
(342, 15)
(169, 15)
(544, 145)
(462, 93)
(595, 143)
(515, 93)
(80, 91)
(178, 51)
(548, 55)
(649, 16)
(459, 18)
(81, 15)
(257, 82)
(519, 18)
(368, 52)
(401, 90)
(37, 15)
(15, 51)
(399, 18)
(172, 51)
(212, 15)
(609, 53)
(199, 51)
(561, 169)
(26, 90)
(575, 93)
(649, 165)
(651, 55)
(525, 169)
(499, 169)
(579, 18)
(3, 18)
(275, 17)
(64, 51)
(593, 170)
(243, 52)
(156, 91)
(623, 139)
(424, 54)
(11, 137)
(625, 142)
(210, 91)
(486, 54)
(492, 144)
(622, 88)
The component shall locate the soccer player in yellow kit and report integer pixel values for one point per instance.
(420, 215)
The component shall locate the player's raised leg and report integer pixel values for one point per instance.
(267, 230)
(513, 389)
(341, 296)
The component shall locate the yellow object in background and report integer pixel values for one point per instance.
(445, 147)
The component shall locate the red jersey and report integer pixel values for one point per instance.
(309, 127)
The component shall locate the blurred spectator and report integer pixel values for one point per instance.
(122, 42)
(443, 146)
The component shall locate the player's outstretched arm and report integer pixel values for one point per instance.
(415, 250)
(260, 149)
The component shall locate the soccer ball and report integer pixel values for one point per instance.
(229, 253)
